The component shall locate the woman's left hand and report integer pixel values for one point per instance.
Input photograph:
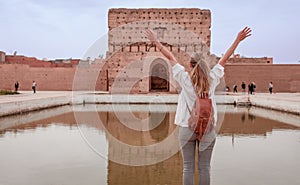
(246, 32)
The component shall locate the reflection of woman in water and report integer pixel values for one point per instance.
(203, 80)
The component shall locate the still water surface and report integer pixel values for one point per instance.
(69, 147)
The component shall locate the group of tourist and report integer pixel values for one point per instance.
(251, 88)
(33, 87)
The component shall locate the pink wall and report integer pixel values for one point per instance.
(49, 78)
(286, 78)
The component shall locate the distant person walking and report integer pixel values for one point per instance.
(16, 86)
(253, 87)
(249, 88)
(235, 88)
(34, 86)
(243, 87)
(271, 87)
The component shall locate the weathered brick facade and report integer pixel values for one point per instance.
(139, 62)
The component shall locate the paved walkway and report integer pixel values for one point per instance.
(27, 101)
(28, 95)
(287, 102)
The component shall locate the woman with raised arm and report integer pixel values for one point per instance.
(200, 79)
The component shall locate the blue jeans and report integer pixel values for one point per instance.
(188, 142)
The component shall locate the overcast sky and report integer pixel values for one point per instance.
(67, 28)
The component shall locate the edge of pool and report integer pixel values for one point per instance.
(27, 101)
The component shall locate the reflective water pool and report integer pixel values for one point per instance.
(137, 144)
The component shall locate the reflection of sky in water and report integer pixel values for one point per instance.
(250, 149)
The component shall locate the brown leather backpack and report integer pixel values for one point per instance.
(201, 120)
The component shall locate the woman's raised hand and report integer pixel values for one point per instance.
(150, 35)
(246, 32)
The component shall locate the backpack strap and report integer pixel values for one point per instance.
(204, 95)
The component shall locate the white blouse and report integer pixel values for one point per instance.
(187, 96)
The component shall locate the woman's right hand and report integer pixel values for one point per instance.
(164, 50)
(151, 35)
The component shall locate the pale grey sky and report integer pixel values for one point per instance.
(67, 28)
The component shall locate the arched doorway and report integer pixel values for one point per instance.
(159, 76)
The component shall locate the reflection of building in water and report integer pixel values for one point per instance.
(232, 124)
(161, 128)
(129, 129)
(156, 173)
(129, 144)
(168, 171)
(251, 125)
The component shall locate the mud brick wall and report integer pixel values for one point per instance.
(285, 78)
(52, 78)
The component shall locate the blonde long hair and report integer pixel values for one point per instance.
(200, 74)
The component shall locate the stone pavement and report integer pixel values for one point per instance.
(286, 102)
(27, 101)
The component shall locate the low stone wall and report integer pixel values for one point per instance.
(16, 107)
(19, 107)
